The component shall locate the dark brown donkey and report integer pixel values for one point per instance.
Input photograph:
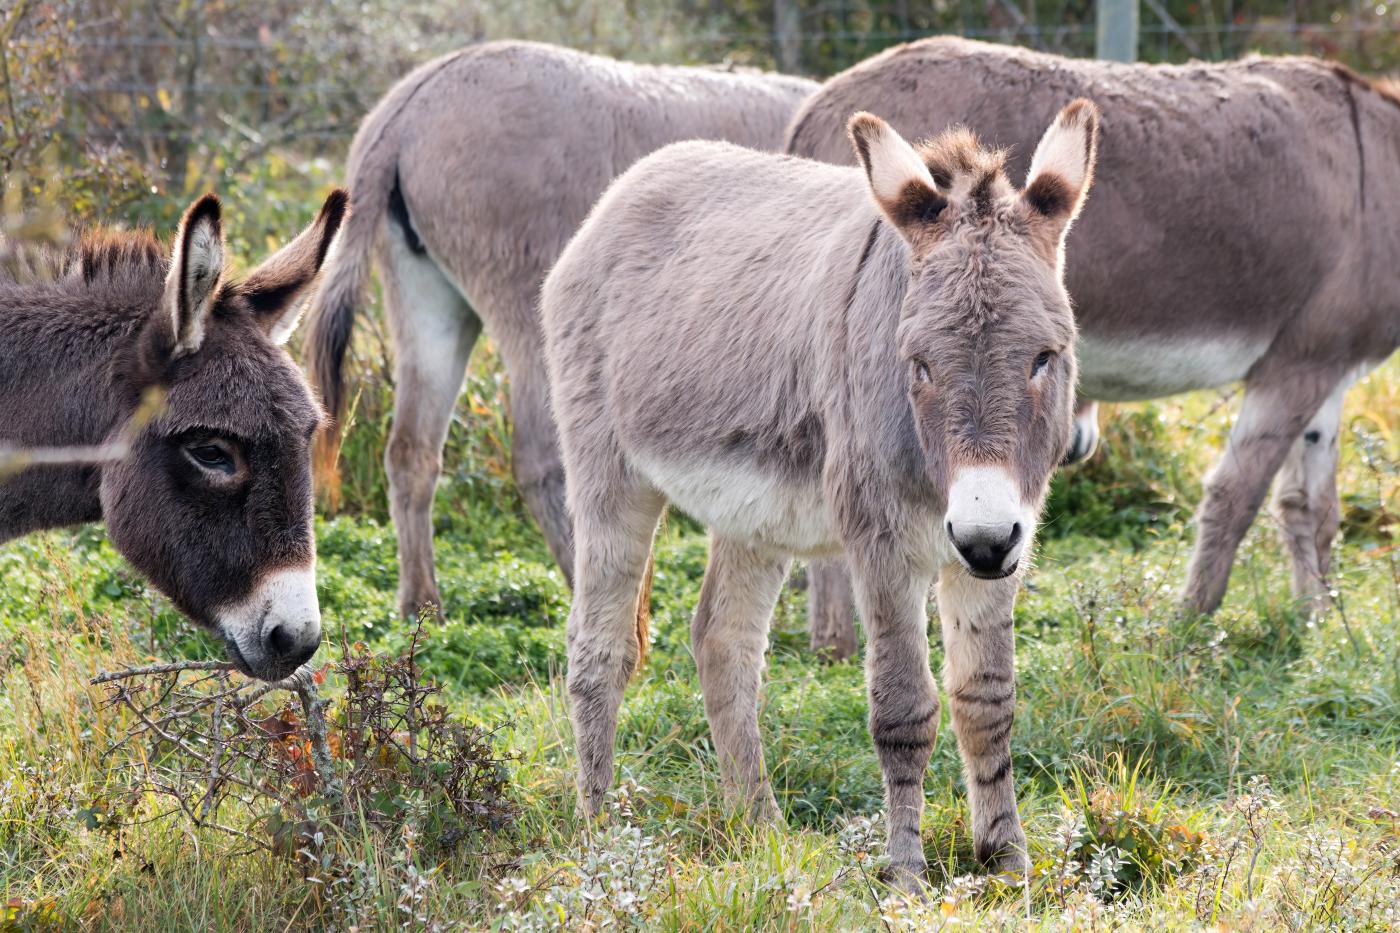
(213, 500)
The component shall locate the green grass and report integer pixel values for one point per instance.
(1242, 770)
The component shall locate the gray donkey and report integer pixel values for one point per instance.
(464, 211)
(809, 371)
(1251, 232)
(213, 499)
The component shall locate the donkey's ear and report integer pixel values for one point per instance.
(196, 272)
(1063, 167)
(899, 179)
(277, 288)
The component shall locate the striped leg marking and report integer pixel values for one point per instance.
(903, 713)
(979, 674)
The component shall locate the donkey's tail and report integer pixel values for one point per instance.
(644, 614)
(337, 301)
(372, 174)
(644, 600)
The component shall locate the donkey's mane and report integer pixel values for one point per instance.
(1389, 88)
(1386, 87)
(97, 256)
(957, 159)
(117, 255)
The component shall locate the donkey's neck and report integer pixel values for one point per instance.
(57, 343)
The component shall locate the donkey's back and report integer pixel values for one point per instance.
(1241, 192)
(708, 265)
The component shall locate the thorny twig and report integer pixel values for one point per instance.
(391, 754)
(219, 749)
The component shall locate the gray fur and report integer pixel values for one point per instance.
(467, 180)
(1254, 212)
(743, 335)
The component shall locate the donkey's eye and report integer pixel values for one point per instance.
(211, 457)
(921, 373)
(1041, 361)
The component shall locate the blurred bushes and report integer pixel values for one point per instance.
(1139, 480)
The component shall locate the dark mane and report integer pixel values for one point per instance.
(958, 161)
(116, 255)
(1387, 88)
(93, 257)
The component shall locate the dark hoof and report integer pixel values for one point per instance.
(907, 879)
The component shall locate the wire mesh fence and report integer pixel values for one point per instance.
(242, 83)
(146, 96)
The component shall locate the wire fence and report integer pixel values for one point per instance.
(834, 34)
(188, 99)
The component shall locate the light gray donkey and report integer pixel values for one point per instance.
(1252, 232)
(467, 180)
(809, 371)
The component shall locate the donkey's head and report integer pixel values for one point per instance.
(986, 329)
(214, 501)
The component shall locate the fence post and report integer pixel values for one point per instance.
(787, 35)
(1117, 30)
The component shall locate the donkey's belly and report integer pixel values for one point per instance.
(741, 502)
(1118, 370)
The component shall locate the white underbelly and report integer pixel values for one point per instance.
(740, 502)
(1119, 370)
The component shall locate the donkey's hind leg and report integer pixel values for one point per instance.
(1279, 403)
(729, 636)
(979, 673)
(831, 609)
(614, 530)
(535, 457)
(1306, 503)
(433, 331)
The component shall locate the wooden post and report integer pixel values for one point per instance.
(1117, 32)
(787, 35)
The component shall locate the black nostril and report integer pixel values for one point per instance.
(950, 532)
(280, 642)
(1015, 538)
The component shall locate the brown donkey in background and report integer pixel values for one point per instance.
(468, 179)
(1251, 233)
(809, 372)
(213, 501)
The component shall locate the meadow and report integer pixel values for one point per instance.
(1236, 772)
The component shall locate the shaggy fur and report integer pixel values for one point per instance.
(468, 179)
(815, 362)
(213, 503)
(1251, 232)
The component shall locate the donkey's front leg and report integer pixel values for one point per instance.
(979, 673)
(903, 702)
(729, 636)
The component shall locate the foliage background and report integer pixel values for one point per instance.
(1242, 771)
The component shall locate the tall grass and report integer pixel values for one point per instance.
(1241, 771)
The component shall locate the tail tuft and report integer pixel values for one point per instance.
(644, 615)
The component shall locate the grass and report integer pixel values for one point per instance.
(1241, 771)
